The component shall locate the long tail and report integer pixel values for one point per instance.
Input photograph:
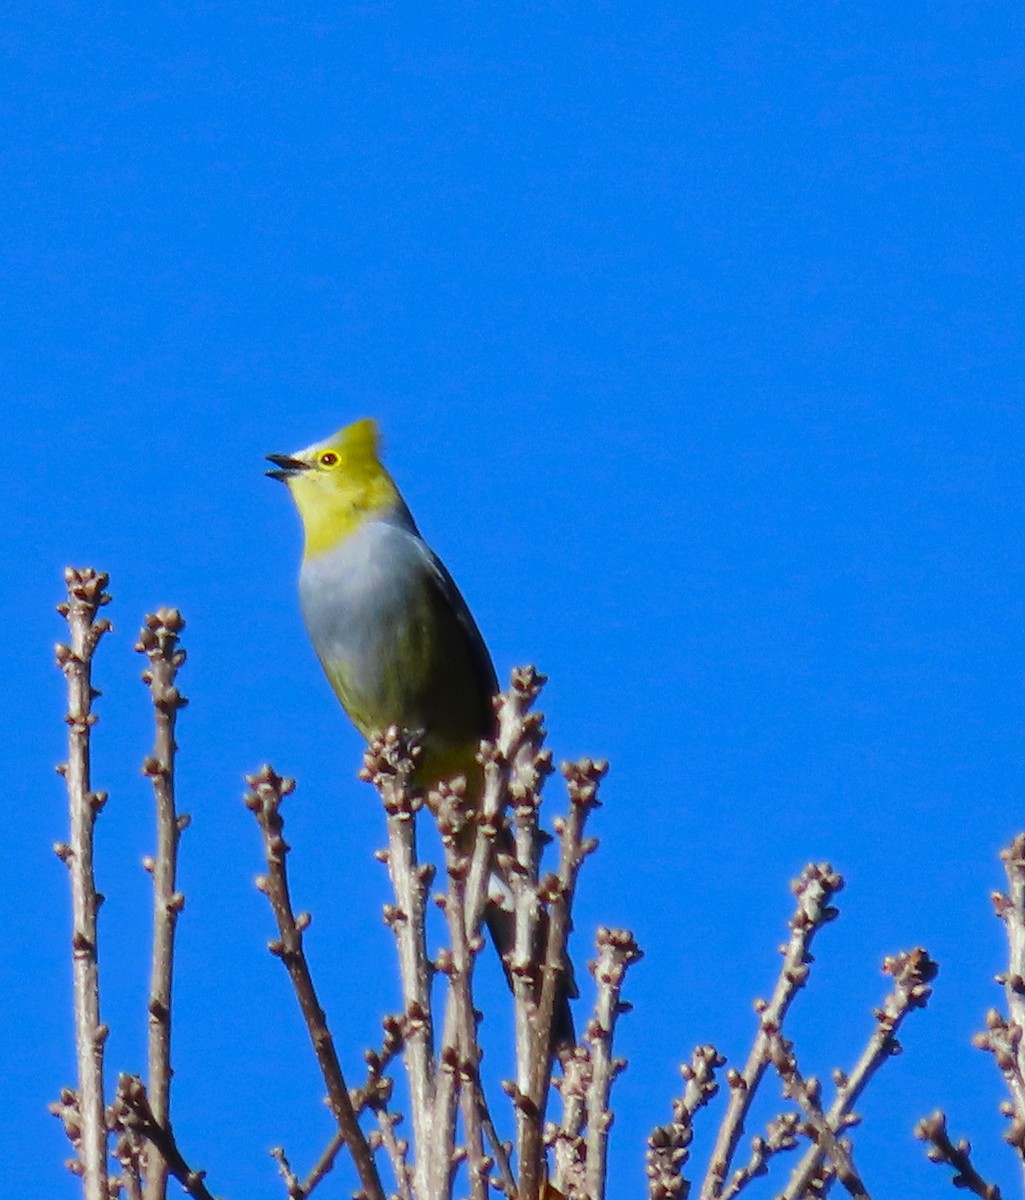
(502, 926)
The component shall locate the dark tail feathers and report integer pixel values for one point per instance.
(501, 926)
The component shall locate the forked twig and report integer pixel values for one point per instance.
(807, 1093)
(780, 1135)
(264, 801)
(814, 888)
(912, 972)
(131, 1114)
(933, 1129)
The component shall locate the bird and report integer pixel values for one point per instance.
(392, 631)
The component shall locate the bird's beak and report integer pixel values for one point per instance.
(286, 466)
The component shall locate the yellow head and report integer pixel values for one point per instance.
(337, 484)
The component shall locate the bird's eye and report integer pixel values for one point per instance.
(328, 458)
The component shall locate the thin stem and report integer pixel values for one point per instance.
(132, 1114)
(814, 888)
(616, 951)
(389, 764)
(264, 801)
(912, 972)
(781, 1134)
(824, 1136)
(460, 1053)
(933, 1129)
(520, 742)
(669, 1144)
(567, 1140)
(158, 640)
(86, 596)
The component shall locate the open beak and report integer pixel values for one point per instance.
(286, 466)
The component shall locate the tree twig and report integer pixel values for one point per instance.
(264, 801)
(806, 1092)
(1004, 1038)
(933, 1129)
(669, 1144)
(388, 764)
(131, 1113)
(814, 888)
(567, 1138)
(525, 764)
(86, 596)
(780, 1134)
(158, 640)
(460, 1051)
(912, 972)
(617, 950)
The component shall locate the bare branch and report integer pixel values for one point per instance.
(567, 1138)
(130, 1151)
(913, 972)
(780, 1134)
(528, 765)
(807, 1093)
(617, 950)
(158, 640)
(814, 888)
(958, 1155)
(388, 764)
(292, 1185)
(323, 1166)
(582, 781)
(1005, 1039)
(264, 801)
(460, 1052)
(669, 1145)
(86, 596)
(131, 1114)
(516, 767)
(372, 1096)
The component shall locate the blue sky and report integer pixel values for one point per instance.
(695, 337)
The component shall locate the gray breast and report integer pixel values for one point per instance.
(358, 600)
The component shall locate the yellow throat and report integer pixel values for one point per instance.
(337, 484)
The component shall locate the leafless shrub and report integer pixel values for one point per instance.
(128, 1147)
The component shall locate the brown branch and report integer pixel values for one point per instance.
(372, 1096)
(567, 1138)
(158, 640)
(1002, 1038)
(582, 781)
(131, 1114)
(528, 764)
(669, 1145)
(264, 801)
(388, 765)
(617, 950)
(814, 888)
(933, 1129)
(780, 1135)
(468, 894)
(460, 1051)
(292, 1185)
(86, 596)
(807, 1093)
(1005, 1038)
(322, 1167)
(912, 971)
(130, 1151)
